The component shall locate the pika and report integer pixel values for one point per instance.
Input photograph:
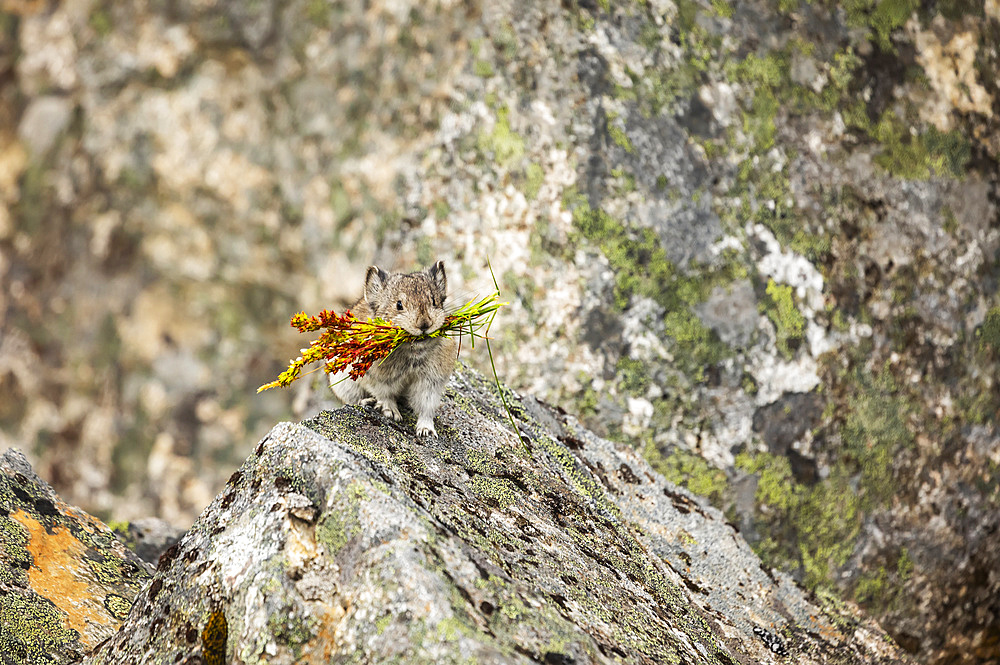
(418, 369)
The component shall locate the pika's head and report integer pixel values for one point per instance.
(414, 302)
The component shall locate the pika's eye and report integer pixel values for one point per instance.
(434, 301)
(399, 305)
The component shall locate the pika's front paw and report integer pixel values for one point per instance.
(390, 411)
(426, 428)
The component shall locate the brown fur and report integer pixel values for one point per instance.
(419, 369)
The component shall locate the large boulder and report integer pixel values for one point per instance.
(347, 539)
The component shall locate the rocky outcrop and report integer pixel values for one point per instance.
(66, 581)
(755, 240)
(347, 539)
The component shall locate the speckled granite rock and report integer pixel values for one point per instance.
(346, 539)
(66, 582)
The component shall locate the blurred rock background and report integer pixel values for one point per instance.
(758, 241)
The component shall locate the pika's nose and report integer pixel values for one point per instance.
(424, 325)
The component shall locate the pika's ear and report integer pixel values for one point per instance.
(438, 278)
(374, 282)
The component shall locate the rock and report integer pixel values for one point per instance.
(345, 536)
(149, 537)
(43, 122)
(66, 582)
(697, 209)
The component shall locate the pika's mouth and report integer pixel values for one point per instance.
(420, 335)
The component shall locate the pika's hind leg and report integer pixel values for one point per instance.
(385, 399)
(346, 389)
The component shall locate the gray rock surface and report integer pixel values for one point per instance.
(347, 539)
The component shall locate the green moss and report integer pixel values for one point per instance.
(764, 75)
(875, 431)
(811, 528)
(688, 470)
(504, 144)
(483, 68)
(382, 623)
(988, 333)
(788, 322)
(534, 177)
(722, 8)
(617, 133)
(658, 88)
(904, 564)
(634, 375)
(641, 267)
(880, 588)
(100, 21)
(880, 17)
(626, 182)
(909, 155)
(813, 246)
(829, 521)
(872, 586)
(776, 489)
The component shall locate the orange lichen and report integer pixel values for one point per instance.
(58, 573)
(214, 638)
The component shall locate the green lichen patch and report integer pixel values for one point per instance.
(339, 524)
(13, 539)
(504, 145)
(812, 529)
(641, 268)
(688, 470)
(788, 322)
(498, 492)
(988, 334)
(879, 17)
(534, 176)
(616, 131)
(290, 629)
(117, 606)
(32, 628)
(875, 429)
